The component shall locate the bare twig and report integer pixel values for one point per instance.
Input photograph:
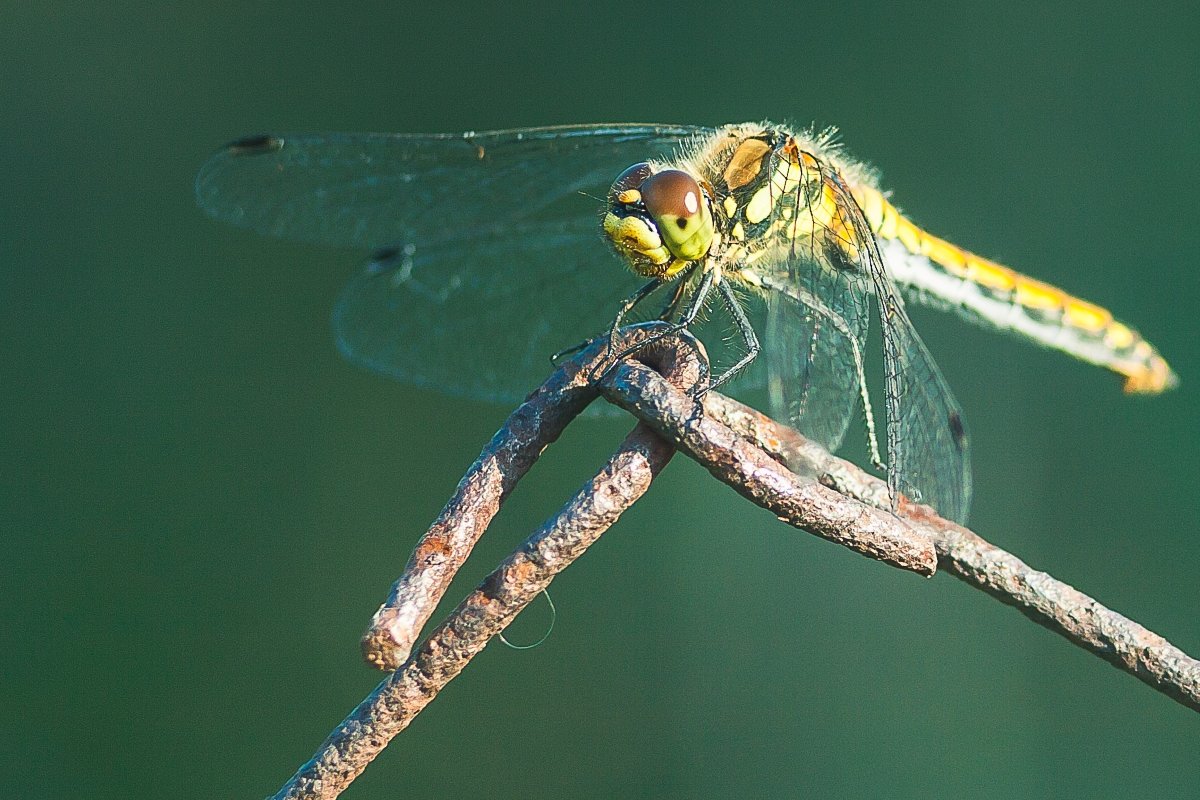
(536, 423)
(739, 446)
(507, 590)
(487, 611)
(1048, 601)
(1068, 612)
(759, 477)
(800, 502)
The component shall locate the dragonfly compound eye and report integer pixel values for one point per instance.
(625, 187)
(680, 210)
(630, 229)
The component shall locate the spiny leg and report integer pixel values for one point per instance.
(695, 303)
(861, 377)
(627, 305)
(869, 417)
(671, 307)
(744, 328)
(698, 297)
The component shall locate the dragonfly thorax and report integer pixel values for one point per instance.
(659, 221)
(774, 198)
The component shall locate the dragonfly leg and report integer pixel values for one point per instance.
(861, 377)
(569, 351)
(695, 303)
(671, 308)
(744, 328)
(872, 440)
(627, 305)
(868, 412)
(697, 300)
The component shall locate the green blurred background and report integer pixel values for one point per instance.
(202, 505)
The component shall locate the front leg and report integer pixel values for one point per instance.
(695, 303)
(626, 306)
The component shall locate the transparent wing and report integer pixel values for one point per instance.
(931, 455)
(821, 319)
(376, 189)
(928, 448)
(480, 315)
(813, 382)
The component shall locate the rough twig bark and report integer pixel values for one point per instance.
(393, 704)
(800, 502)
(1056, 605)
(757, 476)
(741, 447)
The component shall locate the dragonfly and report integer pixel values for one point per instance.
(493, 250)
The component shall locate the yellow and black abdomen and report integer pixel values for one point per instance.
(999, 297)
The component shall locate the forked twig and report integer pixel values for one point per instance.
(739, 446)
(801, 502)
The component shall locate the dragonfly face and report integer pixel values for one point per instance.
(660, 222)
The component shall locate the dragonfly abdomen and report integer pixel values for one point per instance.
(983, 291)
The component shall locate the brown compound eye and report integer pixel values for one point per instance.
(671, 193)
(674, 201)
(624, 188)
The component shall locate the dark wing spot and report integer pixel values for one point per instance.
(385, 254)
(681, 223)
(254, 146)
(837, 257)
(957, 429)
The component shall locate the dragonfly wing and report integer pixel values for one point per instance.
(819, 323)
(812, 380)
(930, 456)
(480, 315)
(927, 443)
(374, 189)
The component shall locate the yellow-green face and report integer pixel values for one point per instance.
(659, 221)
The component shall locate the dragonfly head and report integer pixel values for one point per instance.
(659, 221)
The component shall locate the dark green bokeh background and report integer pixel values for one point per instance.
(201, 504)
